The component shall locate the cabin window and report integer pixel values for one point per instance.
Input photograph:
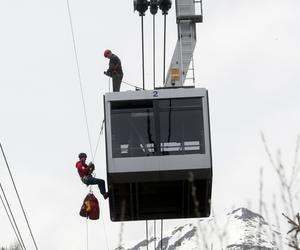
(181, 126)
(157, 127)
(132, 127)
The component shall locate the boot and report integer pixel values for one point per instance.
(105, 195)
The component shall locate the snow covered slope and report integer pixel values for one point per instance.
(245, 230)
(249, 230)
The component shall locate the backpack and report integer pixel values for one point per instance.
(90, 207)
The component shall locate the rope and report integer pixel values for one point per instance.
(123, 210)
(136, 87)
(79, 78)
(86, 118)
(12, 223)
(104, 229)
(20, 202)
(98, 140)
(83, 103)
(87, 233)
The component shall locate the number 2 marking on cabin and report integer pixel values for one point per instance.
(155, 93)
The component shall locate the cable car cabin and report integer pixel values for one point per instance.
(158, 154)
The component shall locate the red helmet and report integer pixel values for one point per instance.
(107, 52)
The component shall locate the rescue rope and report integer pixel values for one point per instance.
(19, 199)
(123, 210)
(79, 78)
(85, 112)
(104, 229)
(98, 140)
(87, 233)
(136, 87)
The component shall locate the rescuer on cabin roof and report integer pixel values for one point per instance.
(85, 172)
(114, 70)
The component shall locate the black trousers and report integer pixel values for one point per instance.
(117, 79)
(90, 180)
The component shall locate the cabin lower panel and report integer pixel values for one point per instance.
(160, 195)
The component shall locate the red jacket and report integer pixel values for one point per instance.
(83, 169)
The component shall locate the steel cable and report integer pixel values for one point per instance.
(153, 51)
(143, 59)
(12, 223)
(161, 234)
(154, 234)
(147, 234)
(19, 199)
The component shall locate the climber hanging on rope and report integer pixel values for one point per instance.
(85, 172)
(115, 70)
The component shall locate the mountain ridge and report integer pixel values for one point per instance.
(246, 230)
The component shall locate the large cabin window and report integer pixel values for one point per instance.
(181, 126)
(157, 127)
(132, 127)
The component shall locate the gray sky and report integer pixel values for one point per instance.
(247, 56)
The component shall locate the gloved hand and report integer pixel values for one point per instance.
(92, 167)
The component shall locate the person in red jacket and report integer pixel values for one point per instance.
(85, 172)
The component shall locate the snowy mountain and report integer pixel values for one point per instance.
(249, 230)
(245, 230)
(183, 237)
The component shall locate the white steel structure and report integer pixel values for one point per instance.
(187, 17)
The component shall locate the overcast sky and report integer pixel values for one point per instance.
(247, 56)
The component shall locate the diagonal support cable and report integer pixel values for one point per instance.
(20, 202)
(12, 219)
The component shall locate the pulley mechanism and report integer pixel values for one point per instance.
(153, 7)
(165, 5)
(142, 5)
